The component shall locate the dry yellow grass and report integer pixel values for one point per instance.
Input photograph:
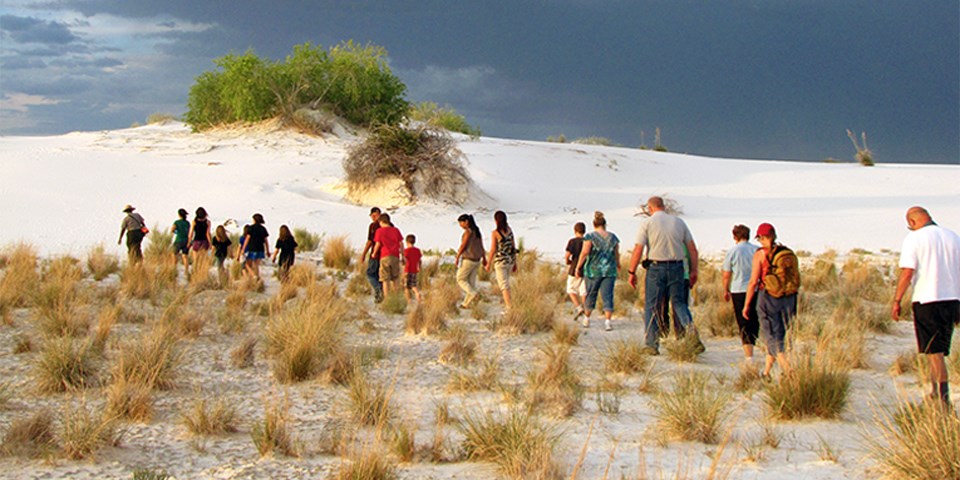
(152, 359)
(556, 387)
(338, 253)
(102, 264)
(66, 363)
(20, 276)
(84, 431)
(916, 441)
(31, 436)
(272, 434)
(210, 417)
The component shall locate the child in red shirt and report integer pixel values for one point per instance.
(411, 266)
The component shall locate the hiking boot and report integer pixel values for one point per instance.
(607, 325)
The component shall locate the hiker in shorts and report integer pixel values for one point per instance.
(576, 289)
(221, 247)
(774, 281)
(599, 263)
(372, 262)
(181, 239)
(737, 268)
(255, 247)
(411, 267)
(930, 261)
(286, 250)
(200, 234)
(503, 256)
(388, 243)
(135, 228)
(470, 257)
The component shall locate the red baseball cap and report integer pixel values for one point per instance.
(765, 229)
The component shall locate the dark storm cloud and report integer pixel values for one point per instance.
(34, 30)
(13, 62)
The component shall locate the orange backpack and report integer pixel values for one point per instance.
(783, 277)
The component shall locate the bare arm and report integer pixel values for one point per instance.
(587, 246)
(209, 238)
(694, 262)
(903, 282)
(754, 280)
(634, 261)
(463, 246)
(494, 238)
(727, 276)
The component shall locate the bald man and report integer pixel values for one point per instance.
(930, 260)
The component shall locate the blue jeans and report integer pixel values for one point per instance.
(373, 276)
(603, 286)
(665, 281)
(775, 315)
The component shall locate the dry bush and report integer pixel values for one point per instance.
(366, 464)
(151, 360)
(22, 343)
(106, 319)
(425, 158)
(148, 279)
(201, 276)
(517, 442)
(625, 356)
(709, 288)
(684, 348)
(244, 354)
(357, 286)
(338, 253)
(430, 316)
(843, 345)
(535, 296)
(129, 399)
(691, 411)
(210, 417)
(369, 402)
(822, 275)
(32, 436)
(917, 441)
(482, 376)
(557, 386)
(716, 319)
(862, 315)
(66, 363)
(20, 277)
(864, 280)
(83, 431)
(58, 299)
(566, 333)
(272, 434)
(814, 387)
(102, 264)
(459, 349)
(303, 340)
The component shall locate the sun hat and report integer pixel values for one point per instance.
(765, 230)
(128, 208)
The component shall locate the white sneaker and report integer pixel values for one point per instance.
(607, 325)
(585, 322)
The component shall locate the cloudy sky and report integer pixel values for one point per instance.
(777, 79)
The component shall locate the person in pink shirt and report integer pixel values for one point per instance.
(411, 267)
(387, 246)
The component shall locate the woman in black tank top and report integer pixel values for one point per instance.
(200, 232)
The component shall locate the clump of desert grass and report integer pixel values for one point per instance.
(272, 434)
(57, 299)
(917, 441)
(305, 339)
(715, 317)
(692, 410)
(306, 241)
(844, 345)
(535, 294)
(516, 441)
(102, 264)
(151, 360)
(210, 417)
(130, 399)
(231, 318)
(32, 436)
(748, 378)
(201, 277)
(566, 333)
(864, 280)
(429, 317)
(394, 303)
(625, 356)
(108, 316)
(244, 353)
(815, 387)
(369, 401)
(84, 431)
(367, 463)
(66, 363)
(337, 253)
(159, 244)
(906, 362)
(459, 348)
(683, 348)
(19, 278)
(149, 279)
(556, 387)
(479, 376)
(821, 275)
(608, 393)
(401, 439)
(861, 314)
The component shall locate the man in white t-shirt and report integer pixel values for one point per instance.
(930, 260)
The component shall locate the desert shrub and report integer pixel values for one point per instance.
(843, 345)
(566, 333)
(683, 348)
(272, 433)
(159, 243)
(625, 356)
(430, 316)
(424, 157)
(307, 241)
(84, 431)
(813, 388)
(402, 439)
(366, 464)
(459, 349)
(65, 363)
(57, 299)
(864, 156)
(917, 441)
(159, 117)
(102, 264)
(303, 340)
(394, 303)
(210, 417)
(482, 375)
(151, 360)
(556, 387)
(535, 295)
(557, 138)
(19, 277)
(337, 253)
(201, 277)
(129, 399)
(864, 280)
(691, 410)
(369, 401)
(517, 442)
(594, 140)
(444, 117)
(32, 436)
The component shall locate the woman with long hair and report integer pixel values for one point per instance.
(599, 259)
(221, 246)
(285, 248)
(503, 255)
(255, 247)
(200, 234)
(470, 256)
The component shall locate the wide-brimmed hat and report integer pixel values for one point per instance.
(128, 208)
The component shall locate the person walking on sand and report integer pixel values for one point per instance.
(200, 233)
(664, 237)
(255, 247)
(598, 263)
(930, 261)
(774, 280)
(181, 239)
(470, 257)
(285, 248)
(372, 262)
(411, 267)
(135, 229)
(737, 268)
(576, 289)
(503, 256)
(221, 247)
(388, 243)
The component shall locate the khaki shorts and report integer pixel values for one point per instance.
(389, 269)
(576, 286)
(503, 271)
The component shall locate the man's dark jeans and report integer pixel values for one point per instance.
(665, 281)
(373, 276)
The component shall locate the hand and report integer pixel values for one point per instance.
(746, 312)
(632, 280)
(726, 296)
(514, 268)
(693, 278)
(895, 311)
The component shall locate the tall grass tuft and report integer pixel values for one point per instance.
(19, 277)
(129, 399)
(917, 441)
(303, 341)
(272, 434)
(210, 417)
(306, 241)
(58, 297)
(159, 244)
(151, 360)
(394, 303)
(625, 356)
(369, 402)
(244, 354)
(84, 431)
(66, 363)
(683, 348)
(815, 387)
(366, 464)
(557, 386)
(516, 441)
(32, 436)
(102, 264)
(459, 349)
(691, 410)
(484, 375)
(337, 253)
(536, 292)
(566, 333)
(201, 276)
(429, 317)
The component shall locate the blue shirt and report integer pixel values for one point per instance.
(601, 262)
(739, 261)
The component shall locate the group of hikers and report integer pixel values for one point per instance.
(762, 281)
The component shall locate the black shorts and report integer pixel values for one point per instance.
(934, 325)
(750, 326)
(182, 248)
(412, 280)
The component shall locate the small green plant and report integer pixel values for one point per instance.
(306, 240)
(444, 117)
(159, 117)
